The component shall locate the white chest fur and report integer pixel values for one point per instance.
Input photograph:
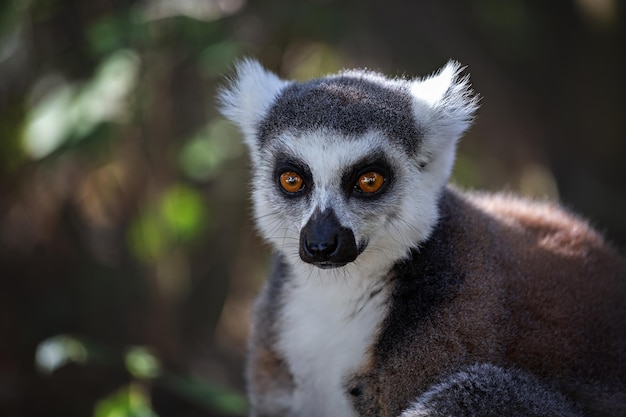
(330, 320)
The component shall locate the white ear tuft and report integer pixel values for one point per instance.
(449, 97)
(248, 96)
(444, 106)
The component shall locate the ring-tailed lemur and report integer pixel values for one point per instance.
(393, 293)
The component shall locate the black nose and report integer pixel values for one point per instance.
(325, 242)
(321, 248)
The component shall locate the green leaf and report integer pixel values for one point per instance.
(141, 363)
(129, 401)
(183, 212)
(178, 217)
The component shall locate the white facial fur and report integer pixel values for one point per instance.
(389, 227)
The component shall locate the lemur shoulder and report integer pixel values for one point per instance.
(395, 294)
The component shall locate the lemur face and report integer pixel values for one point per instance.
(326, 197)
(347, 167)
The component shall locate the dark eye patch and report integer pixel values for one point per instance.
(284, 163)
(374, 162)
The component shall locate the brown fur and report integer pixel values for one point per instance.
(537, 289)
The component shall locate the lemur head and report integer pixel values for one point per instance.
(348, 168)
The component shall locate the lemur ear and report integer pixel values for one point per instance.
(248, 96)
(444, 102)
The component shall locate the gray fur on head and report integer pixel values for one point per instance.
(349, 103)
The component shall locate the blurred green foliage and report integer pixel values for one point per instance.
(128, 401)
(201, 158)
(68, 113)
(175, 219)
(124, 213)
(134, 398)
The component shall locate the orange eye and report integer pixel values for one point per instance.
(370, 182)
(291, 181)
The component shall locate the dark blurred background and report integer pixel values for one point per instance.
(127, 255)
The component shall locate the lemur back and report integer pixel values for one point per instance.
(393, 293)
